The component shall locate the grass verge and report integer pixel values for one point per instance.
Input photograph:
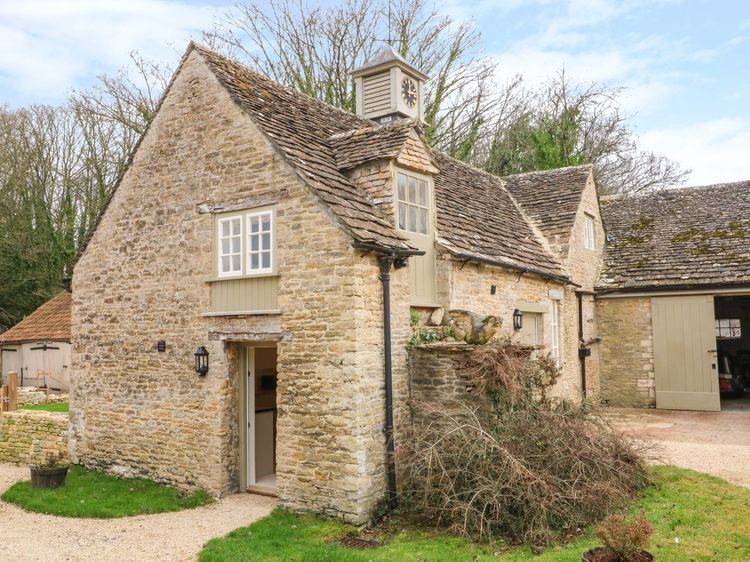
(697, 517)
(58, 407)
(90, 493)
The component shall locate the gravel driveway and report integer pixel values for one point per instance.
(717, 443)
(166, 536)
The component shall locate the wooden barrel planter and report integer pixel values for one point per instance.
(48, 477)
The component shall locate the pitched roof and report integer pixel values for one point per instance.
(51, 321)
(387, 56)
(300, 127)
(687, 237)
(477, 218)
(551, 198)
(374, 142)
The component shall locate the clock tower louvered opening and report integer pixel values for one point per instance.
(388, 88)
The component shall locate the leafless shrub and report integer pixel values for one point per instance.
(524, 467)
(626, 538)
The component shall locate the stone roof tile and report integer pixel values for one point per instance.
(477, 217)
(688, 237)
(551, 198)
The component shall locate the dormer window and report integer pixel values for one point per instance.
(413, 204)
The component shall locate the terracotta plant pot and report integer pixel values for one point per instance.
(48, 477)
(603, 554)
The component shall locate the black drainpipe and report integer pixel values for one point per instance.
(583, 351)
(387, 258)
(385, 263)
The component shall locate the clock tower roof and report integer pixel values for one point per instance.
(386, 58)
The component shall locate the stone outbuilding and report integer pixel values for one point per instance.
(38, 347)
(673, 300)
(241, 312)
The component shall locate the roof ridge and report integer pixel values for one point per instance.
(679, 190)
(400, 124)
(211, 52)
(549, 171)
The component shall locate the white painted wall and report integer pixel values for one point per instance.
(39, 367)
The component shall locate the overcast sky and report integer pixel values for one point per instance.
(685, 64)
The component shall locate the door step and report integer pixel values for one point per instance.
(262, 490)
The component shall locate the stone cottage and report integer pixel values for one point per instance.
(241, 312)
(673, 300)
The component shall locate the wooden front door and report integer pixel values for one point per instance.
(685, 353)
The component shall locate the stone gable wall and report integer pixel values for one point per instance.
(143, 278)
(626, 351)
(584, 267)
(27, 437)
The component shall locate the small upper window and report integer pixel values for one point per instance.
(588, 232)
(245, 244)
(230, 246)
(259, 231)
(413, 204)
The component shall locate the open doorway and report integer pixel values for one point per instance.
(258, 413)
(732, 325)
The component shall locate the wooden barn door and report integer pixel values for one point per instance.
(685, 353)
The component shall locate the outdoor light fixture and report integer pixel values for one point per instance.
(201, 361)
(517, 320)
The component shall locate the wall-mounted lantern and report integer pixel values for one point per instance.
(517, 320)
(201, 361)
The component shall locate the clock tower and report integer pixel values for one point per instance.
(387, 88)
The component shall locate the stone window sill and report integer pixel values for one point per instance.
(240, 277)
(210, 314)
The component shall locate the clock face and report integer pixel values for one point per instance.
(409, 91)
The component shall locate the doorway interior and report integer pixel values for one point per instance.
(258, 420)
(732, 325)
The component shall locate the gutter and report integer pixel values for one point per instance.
(470, 257)
(388, 258)
(671, 288)
(385, 250)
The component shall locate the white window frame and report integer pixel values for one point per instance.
(244, 218)
(248, 252)
(555, 332)
(417, 205)
(728, 328)
(589, 233)
(219, 238)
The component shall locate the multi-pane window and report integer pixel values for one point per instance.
(259, 228)
(555, 350)
(588, 232)
(245, 244)
(728, 328)
(413, 204)
(230, 246)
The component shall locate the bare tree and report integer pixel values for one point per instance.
(58, 166)
(314, 50)
(560, 124)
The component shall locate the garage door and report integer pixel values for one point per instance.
(685, 353)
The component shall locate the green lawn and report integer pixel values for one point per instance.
(709, 518)
(59, 407)
(90, 493)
